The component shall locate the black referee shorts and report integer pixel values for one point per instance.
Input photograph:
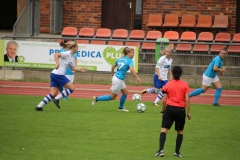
(174, 114)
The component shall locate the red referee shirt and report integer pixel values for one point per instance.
(176, 90)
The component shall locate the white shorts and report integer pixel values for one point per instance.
(117, 85)
(207, 81)
(70, 77)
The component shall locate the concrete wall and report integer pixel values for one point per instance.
(97, 76)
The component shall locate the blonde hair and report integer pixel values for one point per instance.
(71, 44)
(165, 49)
(64, 43)
(127, 50)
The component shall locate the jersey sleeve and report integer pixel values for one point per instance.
(131, 63)
(217, 62)
(159, 62)
(65, 54)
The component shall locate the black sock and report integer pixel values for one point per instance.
(162, 140)
(178, 143)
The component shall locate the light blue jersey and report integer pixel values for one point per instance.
(68, 70)
(123, 65)
(217, 61)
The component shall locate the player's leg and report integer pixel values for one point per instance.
(160, 94)
(217, 84)
(71, 78)
(154, 89)
(123, 98)
(206, 82)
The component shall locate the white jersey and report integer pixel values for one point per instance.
(67, 59)
(164, 65)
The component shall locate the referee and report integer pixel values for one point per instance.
(174, 102)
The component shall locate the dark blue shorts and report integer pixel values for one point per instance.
(157, 83)
(58, 80)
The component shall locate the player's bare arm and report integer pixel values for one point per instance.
(134, 73)
(158, 73)
(112, 69)
(56, 58)
(188, 106)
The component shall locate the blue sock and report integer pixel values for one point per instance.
(196, 92)
(217, 95)
(106, 97)
(122, 100)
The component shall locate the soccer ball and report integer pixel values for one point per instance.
(136, 97)
(141, 107)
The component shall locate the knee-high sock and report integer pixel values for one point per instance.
(196, 92)
(122, 100)
(106, 97)
(45, 100)
(64, 93)
(178, 143)
(151, 90)
(162, 139)
(159, 97)
(217, 95)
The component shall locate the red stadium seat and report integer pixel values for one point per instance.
(69, 31)
(188, 21)
(205, 37)
(82, 41)
(153, 35)
(236, 38)
(186, 36)
(223, 37)
(148, 46)
(86, 32)
(136, 44)
(216, 48)
(103, 33)
(204, 21)
(120, 33)
(200, 48)
(98, 42)
(116, 43)
(137, 34)
(171, 35)
(171, 20)
(220, 21)
(154, 20)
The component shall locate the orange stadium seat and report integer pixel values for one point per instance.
(220, 21)
(171, 20)
(136, 44)
(148, 46)
(154, 20)
(120, 33)
(137, 34)
(204, 21)
(69, 31)
(203, 37)
(220, 37)
(86, 32)
(171, 35)
(186, 36)
(154, 35)
(82, 41)
(103, 33)
(188, 21)
(98, 42)
(235, 39)
(116, 43)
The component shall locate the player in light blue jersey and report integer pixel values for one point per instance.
(210, 77)
(63, 60)
(123, 65)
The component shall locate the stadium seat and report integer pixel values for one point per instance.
(98, 42)
(120, 33)
(86, 32)
(116, 43)
(103, 33)
(154, 20)
(82, 41)
(223, 37)
(59, 40)
(220, 21)
(188, 21)
(171, 20)
(69, 31)
(236, 38)
(203, 37)
(137, 44)
(217, 47)
(204, 21)
(171, 35)
(153, 35)
(186, 36)
(148, 46)
(137, 34)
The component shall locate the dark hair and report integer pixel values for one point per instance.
(64, 43)
(126, 50)
(177, 72)
(224, 49)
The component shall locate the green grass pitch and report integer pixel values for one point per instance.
(79, 131)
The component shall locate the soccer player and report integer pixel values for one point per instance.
(123, 65)
(175, 100)
(63, 60)
(210, 77)
(160, 78)
(69, 72)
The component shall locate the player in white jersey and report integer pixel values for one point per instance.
(160, 78)
(63, 60)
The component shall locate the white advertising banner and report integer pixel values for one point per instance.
(32, 54)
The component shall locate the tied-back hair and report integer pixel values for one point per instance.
(224, 49)
(71, 44)
(177, 72)
(64, 43)
(127, 50)
(167, 48)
